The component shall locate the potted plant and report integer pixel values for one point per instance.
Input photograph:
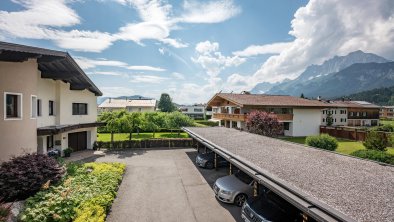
(67, 152)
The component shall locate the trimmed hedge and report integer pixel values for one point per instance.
(151, 143)
(23, 176)
(376, 155)
(85, 195)
(207, 123)
(322, 141)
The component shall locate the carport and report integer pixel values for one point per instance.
(326, 186)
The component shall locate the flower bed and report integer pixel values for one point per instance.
(86, 194)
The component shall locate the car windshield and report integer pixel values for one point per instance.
(243, 177)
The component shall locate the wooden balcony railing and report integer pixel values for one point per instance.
(242, 117)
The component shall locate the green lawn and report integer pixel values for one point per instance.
(386, 122)
(344, 146)
(106, 137)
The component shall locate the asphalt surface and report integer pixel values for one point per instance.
(166, 185)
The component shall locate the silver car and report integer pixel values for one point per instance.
(234, 188)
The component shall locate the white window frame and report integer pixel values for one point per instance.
(32, 108)
(20, 108)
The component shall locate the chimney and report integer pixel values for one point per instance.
(140, 97)
(110, 100)
(319, 98)
(343, 99)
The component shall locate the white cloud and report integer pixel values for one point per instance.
(212, 60)
(209, 12)
(178, 75)
(116, 91)
(145, 68)
(253, 50)
(141, 78)
(105, 73)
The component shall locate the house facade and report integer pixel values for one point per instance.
(300, 117)
(386, 112)
(351, 113)
(197, 111)
(130, 105)
(48, 102)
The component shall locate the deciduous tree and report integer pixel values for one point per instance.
(263, 123)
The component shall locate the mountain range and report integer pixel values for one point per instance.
(341, 75)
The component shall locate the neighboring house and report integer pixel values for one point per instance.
(48, 102)
(301, 117)
(194, 111)
(352, 113)
(386, 112)
(130, 105)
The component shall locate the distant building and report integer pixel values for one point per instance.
(130, 105)
(197, 111)
(351, 113)
(386, 112)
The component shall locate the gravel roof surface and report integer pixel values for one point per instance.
(361, 189)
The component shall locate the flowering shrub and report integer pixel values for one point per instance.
(266, 124)
(85, 195)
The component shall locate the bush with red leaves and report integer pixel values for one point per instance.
(23, 176)
(266, 124)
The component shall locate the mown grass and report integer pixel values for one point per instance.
(106, 137)
(344, 146)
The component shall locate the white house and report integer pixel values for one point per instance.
(48, 102)
(300, 117)
(130, 105)
(193, 111)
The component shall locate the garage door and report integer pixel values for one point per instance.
(77, 141)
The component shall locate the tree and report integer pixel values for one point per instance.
(302, 96)
(176, 120)
(165, 103)
(113, 122)
(149, 123)
(266, 124)
(131, 122)
(329, 118)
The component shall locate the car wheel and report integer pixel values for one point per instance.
(240, 199)
(209, 165)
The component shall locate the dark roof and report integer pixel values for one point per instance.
(55, 129)
(53, 64)
(353, 104)
(268, 100)
(360, 189)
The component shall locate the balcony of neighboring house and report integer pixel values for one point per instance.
(234, 114)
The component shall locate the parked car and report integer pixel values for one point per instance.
(269, 207)
(235, 188)
(206, 160)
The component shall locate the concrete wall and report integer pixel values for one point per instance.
(143, 109)
(46, 90)
(306, 122)
(18, 136)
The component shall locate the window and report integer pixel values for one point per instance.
(39, 107)
(197, 110)
(286, 125)
(139, 109)
(80, 108)
(364, 113)
(13, 106)
(33, 110)
(324, 120)
(50, 142)
(51, 108)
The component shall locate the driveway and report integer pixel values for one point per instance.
(165, 185)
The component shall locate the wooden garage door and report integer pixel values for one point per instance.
(77, 141)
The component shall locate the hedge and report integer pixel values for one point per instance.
(151, 143)
(207, 123)
(376, 155)
(85, 195)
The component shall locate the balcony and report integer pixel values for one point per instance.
(242, 117)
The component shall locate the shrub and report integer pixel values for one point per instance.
(23, 176)
(67, 152)
(376, 155)
(375, 141)
(4, 210)
(86, 195)
(266, 124)
(385, 128)
(323, 141)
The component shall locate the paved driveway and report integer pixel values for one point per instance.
(165, 185)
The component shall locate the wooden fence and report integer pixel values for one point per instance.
(348, 133)
(149, 143)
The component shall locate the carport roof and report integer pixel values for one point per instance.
(360, 189)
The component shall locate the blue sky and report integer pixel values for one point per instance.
(194, 48)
